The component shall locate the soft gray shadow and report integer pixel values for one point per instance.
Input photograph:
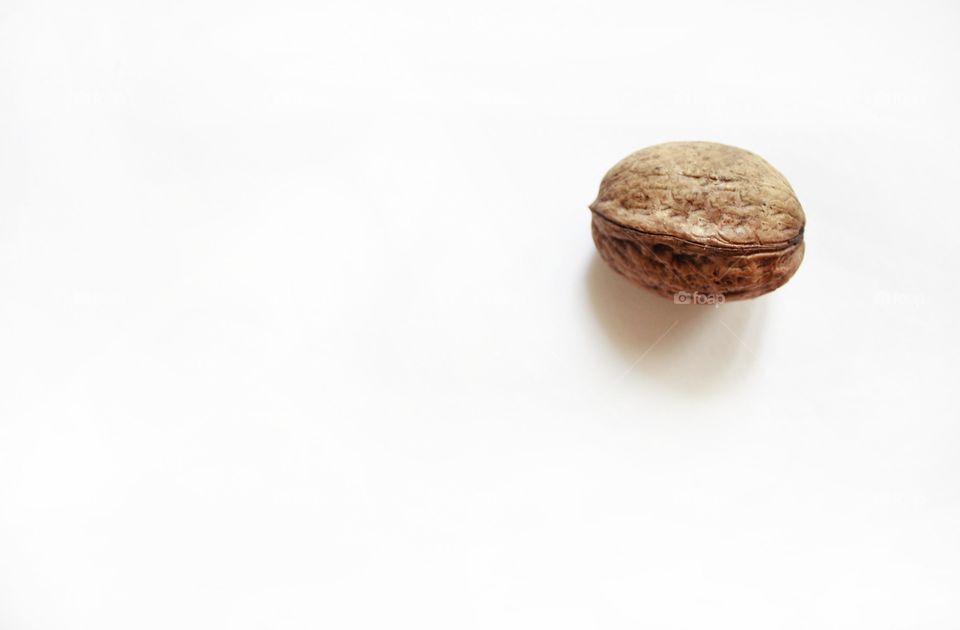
(696, 349)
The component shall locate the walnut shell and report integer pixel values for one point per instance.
(699, 217)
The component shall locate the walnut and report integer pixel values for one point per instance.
(699, 217)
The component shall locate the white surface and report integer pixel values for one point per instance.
(301, 324)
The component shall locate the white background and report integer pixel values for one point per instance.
(301, 324)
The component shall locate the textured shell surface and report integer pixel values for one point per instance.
(704, 192)
(699, 217)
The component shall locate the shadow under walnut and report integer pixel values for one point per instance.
(696, 350)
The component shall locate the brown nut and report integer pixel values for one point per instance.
(699, 217)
